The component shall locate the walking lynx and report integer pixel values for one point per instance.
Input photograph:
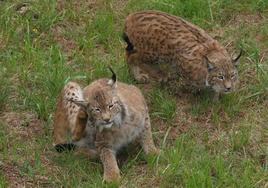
(156, 39)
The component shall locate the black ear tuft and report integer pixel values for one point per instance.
(65, 147)
(114, 75)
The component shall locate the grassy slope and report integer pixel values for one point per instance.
(204, 144)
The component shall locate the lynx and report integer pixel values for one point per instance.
(104, 116)
(156, 39)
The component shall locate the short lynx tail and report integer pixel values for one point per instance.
(130, 47)
(64, 147)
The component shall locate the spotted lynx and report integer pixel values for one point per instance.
(156, 39)
(104, 116)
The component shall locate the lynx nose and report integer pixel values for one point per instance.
(228, 85)
(106, 120)
(227, 89)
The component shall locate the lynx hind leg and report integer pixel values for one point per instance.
(76, 117)
(135, 67)
(146, 139)
(60, 122)
(144, 72)
(66, 114)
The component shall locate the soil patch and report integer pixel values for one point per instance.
(23, 124)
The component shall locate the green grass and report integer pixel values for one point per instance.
(190, 164)
(4, 92)
(164, 105)
(3, 181)
(204, 144)
(103, 27)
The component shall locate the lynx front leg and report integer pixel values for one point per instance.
(110, 167)
(146, 139)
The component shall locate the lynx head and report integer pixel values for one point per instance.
(222, 71)
(103, 106)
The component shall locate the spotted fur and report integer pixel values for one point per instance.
(66, 113)
(112, 114)
(161, 46)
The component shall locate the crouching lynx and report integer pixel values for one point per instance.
(156, 39)
(104, 116)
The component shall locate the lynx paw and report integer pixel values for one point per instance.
(111, 176)
(154, 151)
(142, 78)
(90, 153)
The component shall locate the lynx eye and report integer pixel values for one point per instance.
(97, 109)
(233, 76)
(221, 77)
(111, 106)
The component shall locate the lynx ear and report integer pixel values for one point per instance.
(236, 60)
(209, 65)
(112, 82)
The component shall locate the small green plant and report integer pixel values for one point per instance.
(240, 138)
(27, 168)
